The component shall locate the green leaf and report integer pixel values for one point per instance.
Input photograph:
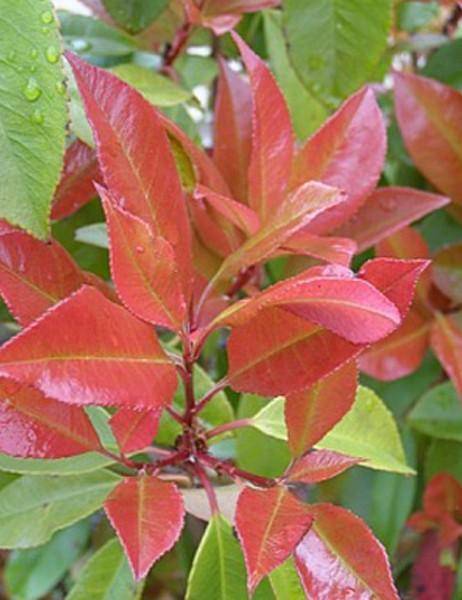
(445, 64)
(440, 229)
(413, 16)
(79, 122)
(216, 412)
(368, 431)
(31, 574)
(94, 234)
(307, 112)
(335, 45)
(33, 113)
(33, 508)
(106, 576)
(270, 419)
(86, 35)
(444, 456)
(218, 570)
(135, 15)
(99, 418)
(157, 90)
(438, 413)
(285, 582)
(84, 463)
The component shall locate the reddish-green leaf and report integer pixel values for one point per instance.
(431, 578)
(88, 350)
(233, 130)
(401, 353)
(352, 141)
(269, 523)
(447, 272)
(147, 514)
(329, 249)
(446, 341)
(273, 140)
(143, 268)
(34, 275)
(311, 413)
(34, 426)
(430, 118)
(279, 353)
(340, 558)
(135, 158)
(134, 430)
(386, 211)
(76, 186)
(405, 243)
(319, 465)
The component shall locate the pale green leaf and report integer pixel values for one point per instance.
(106, 576)
(83, 463)
(33, 508)
(270, 419)
(218, 570)
(33, 113)
(335, 45)
(438, 413)
(368, 431)
(135, 15)
(94, 234)
(285, 582)
(412, 16)
(31, 574)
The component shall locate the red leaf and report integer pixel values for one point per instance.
(33, 426)
(446, 341)
(311, 413)
(34, 275)
(76, 186)
(320, 465)
(269, 523)
(352, 141)
(279, 353)
(329, 249)
(88, 350)
(272, 146)
(340, 558)
(233, 130)
(148, 515)
(430, 118)
(447, 271)
(401, 353)
(135, 158)
(386, 211)
(406, 243)
(396, 279)
(143, 268)
(430, 579)
(134, 430)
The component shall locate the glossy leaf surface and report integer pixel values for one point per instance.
(109, 358)
(438, 413)
(147, 514)
(319, 465)
(134, 430)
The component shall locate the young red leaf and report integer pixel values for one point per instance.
(279, 353)
(401, 353)
(329, 249)
(446, 341)
(447, 271)
(135, 158)
(318, 466)
(34, 275)
(386, 211)
(148, 515)
(311, 413)
(432, 580)
(88, 350)
(340, 558)
(352, 141)
(143, 268)
(430, 118)
(34, 426)
(76, 186)
(269, 523)
(405, 243)
(233, 130)
(273, 140)
(134, 430)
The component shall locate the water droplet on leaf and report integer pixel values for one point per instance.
(32, 91)
(52, 54)
(60, 88)
(46, 17)
(388, 204)
(140, 249)
(37, 117)
(33, 53)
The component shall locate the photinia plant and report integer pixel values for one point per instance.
(192, 240)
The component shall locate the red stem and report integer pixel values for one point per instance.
(175, 415)
(228, 427)
(234, 472)
(208, 487)
(218, 387)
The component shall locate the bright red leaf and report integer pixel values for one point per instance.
(134, 430)
(88, 350)
(329, 249)
(352, 141)
(446, 341)
(319, 465)
(148, 515)
(311, 413)
(76, 186)
(430, 118)
(340, 558)
(34, 426)
(143, 268)
(269, 523)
